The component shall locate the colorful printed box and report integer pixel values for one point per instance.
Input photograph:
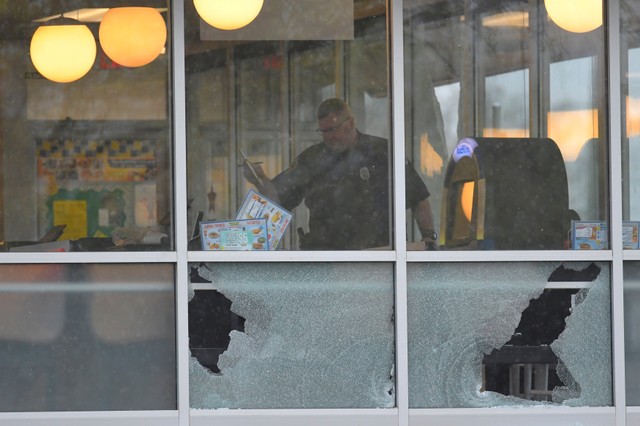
(234, 235)
(587, 235)
(630, 235)
(257, 206)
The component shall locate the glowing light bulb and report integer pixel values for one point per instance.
(63, 51)
(132, 36)
(576, 16)
(228, 14)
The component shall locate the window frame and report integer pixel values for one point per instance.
(181, 258)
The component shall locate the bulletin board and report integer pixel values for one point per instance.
(96, 161)
(93, 186)
(86, 213)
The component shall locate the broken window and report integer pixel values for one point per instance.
(487, 335)
(302, 335)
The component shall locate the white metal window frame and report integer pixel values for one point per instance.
(402, 415)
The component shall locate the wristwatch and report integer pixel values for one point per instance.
(429, 234)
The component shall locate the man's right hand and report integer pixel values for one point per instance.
(254, 174)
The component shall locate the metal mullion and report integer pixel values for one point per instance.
(552, 416)
(101, 418)
(631, 255)
(88, 257)
(180, 203)
(612, 13)
(396, 73)
(292, 256)
(306, 417)
(513, 256)
(535, 71)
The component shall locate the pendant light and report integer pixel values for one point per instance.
(63, 50)
(576, 16)
(228, 14)
(132, 36)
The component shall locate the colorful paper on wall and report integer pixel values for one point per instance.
(72, 213)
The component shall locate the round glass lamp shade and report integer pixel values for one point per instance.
(132, 36)
(63, 53)
(228, 14)
(576, 16)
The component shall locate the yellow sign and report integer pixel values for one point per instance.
(73, 214)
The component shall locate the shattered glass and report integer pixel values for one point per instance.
(315, 336)
(632, 331)
(460, 315)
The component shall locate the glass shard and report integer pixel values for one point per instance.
(459, 314)
(316, 336)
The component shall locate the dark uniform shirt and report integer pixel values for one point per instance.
(347, 194)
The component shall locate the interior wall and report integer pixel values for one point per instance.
(105, 93)
(19, 161)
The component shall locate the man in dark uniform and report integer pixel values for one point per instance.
(344, 181)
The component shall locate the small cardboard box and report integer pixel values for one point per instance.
(589, 235)
(630, 235)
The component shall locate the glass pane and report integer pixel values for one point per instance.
(256, 95)
(488, 335)
(630, 77)
(87, 337)
(291, 336)
(507, 125)
(86, 158)
(632, 332)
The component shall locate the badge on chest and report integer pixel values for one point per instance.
(364, 173)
